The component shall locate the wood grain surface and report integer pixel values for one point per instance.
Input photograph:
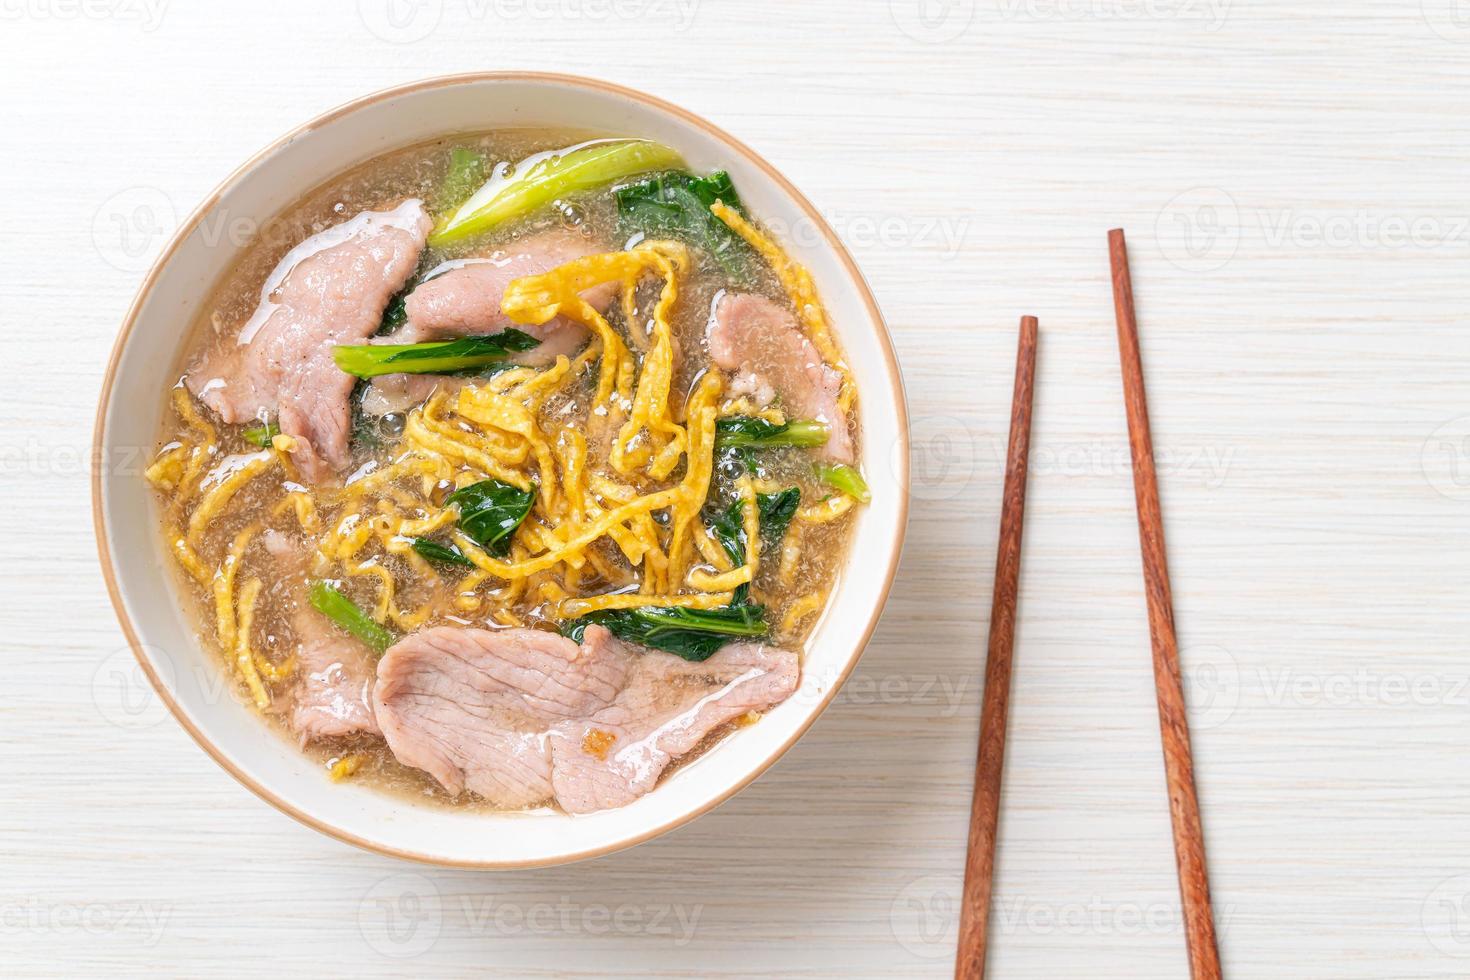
(1292, 176)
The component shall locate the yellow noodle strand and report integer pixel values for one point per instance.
(791, 547)
(750, 516)
(573, 608)
(218, 496)
(420, 436)
(648, 437)
(347, 766)
(701, 415)
(184, 405)
(300, 503)
(744, 406)
(244, 659)
(800, 610)
(167, 470)
(227, 625)
(827, 510)
(708, 549)
(189, 559)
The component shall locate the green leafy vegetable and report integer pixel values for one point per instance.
(777, 510)
(443, 554)
(541, 179)
(693, 634)
(728, 527)
(432, 357)
(490, 511)
(327, 600)
(753, 432)
(678, 205)
(840, 476)
(262, 435)
(466, 173)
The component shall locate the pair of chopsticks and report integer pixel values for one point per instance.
(1189, 848)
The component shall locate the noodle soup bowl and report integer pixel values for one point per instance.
(190, 678)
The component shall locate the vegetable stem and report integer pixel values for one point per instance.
(754, 432)
(432, 357)
(262, 435)
(331, 603)
(840, 476)
(540, 180)
(466, 173)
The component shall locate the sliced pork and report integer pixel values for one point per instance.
(761, 343)
(331, 289)
(470, 707)
(462, 298)
(334, 672)
(666, 709)
(523, 717)
(334, 689)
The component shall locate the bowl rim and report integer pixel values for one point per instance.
(187, 226)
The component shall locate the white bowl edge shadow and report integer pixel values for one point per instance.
(129, 419)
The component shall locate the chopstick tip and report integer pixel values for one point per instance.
(1118, 252)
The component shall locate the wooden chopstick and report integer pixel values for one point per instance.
(1189, 843)
(985, 806)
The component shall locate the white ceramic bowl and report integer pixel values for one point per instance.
(187, 676)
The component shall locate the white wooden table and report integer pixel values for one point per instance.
(1293, 178)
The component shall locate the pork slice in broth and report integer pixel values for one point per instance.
(333, 695)
(333, 690)
(761, 343)
(329, 290)
(471, 707)
(524, 716)
(462, 299)
(666, 709)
